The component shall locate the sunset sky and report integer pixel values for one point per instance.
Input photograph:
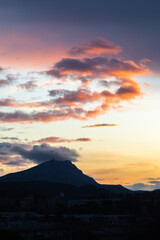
(79, 81)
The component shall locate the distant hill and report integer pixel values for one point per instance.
(48, 189)
(61, 172)
(118, 189)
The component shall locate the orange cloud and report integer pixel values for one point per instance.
(73, 97)
(147, 84)
(66, 104)
(97, 46)
(82, 103)
(96, 67)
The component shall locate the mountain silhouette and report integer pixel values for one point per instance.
(61, 172)
(52, 171)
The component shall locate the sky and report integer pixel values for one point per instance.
(79, 81)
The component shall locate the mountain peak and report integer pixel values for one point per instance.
(52, 171)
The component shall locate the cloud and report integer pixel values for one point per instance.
(61, 140)
(140, 186)
(8, 80)
(115, 17)
(29, 86)
(7, 102)
(83, 103)
(155, 182)
(45, 116)
(101, 125)
(97, 46)
(71, 98)
(10, 138)
(83, 140)
(20, 154)
(67, 104)
(150, 186)
(150, 179)
(95, 67)
(14, 162)
(4, 129)
(106, 83)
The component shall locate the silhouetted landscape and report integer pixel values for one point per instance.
(55, 210)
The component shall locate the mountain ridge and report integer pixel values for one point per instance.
(52, 171)
(59, 172)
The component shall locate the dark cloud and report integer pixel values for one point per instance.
(18, 154)
(95, 67)
(101, 125)
(124, 90)
(59, 92)
(44, 152)
(155, 182)
(106, 83)
(97, 46)
(73, 64)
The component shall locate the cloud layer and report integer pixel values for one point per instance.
(21, 154)
(97, 84)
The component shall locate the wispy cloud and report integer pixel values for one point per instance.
(61, 140)
(28, 86)
(101, 125)
(10, 138)
(7, 80)
(4, 129)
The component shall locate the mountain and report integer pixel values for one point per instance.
(51, 171)
(61, 172)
